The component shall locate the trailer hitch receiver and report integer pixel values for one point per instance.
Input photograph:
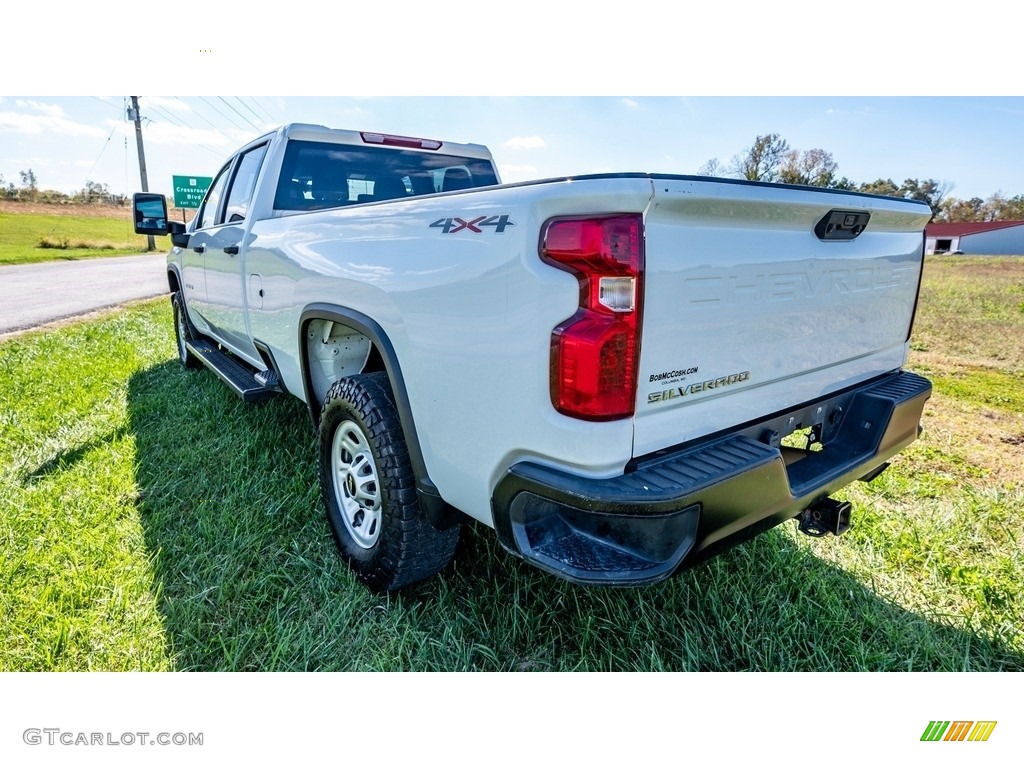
(826, 516)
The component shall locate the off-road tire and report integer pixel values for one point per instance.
(183, 331)
(369, 488)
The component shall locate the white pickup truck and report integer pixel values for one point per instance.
(622, 374)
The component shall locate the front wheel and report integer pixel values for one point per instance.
(369, 488)
(183, 332)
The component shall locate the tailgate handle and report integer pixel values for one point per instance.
(841, 225)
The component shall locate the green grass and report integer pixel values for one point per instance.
(31, 237)
(150, 520)
(973, 309)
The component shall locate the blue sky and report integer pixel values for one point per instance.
(971, 142)
(664, 87)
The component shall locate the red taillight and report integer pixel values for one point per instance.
(399, 141)
(595, 353)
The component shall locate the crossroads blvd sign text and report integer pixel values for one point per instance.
(190, 190)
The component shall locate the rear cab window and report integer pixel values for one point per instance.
(317, 175)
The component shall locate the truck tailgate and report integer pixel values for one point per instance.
(747, 312)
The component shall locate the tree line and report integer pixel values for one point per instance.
(27, 190)
(771, 158)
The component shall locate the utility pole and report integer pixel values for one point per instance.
(134, 115)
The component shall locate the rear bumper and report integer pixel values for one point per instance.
(680, 506)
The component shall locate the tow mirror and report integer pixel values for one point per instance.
(150, 211)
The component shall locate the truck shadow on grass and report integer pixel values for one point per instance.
(248, 577)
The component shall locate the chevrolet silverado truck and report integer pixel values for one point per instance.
(621, 374)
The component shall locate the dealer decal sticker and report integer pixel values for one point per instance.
(958, 730)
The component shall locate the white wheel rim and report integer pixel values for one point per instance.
(356, 484)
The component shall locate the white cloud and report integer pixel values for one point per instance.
(166, 133)
(354, 118)
(21, 122)
(50, 110)
(175, 104)
(630, 103)
(834, 111)
(525, 142)
(512, 173)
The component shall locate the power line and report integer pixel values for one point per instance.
(250, 122)
(214, 108)
(185, 124)
(269, 118)
(203, 117)
(106, 103)
(251, 112)
(127, 233)
(272, 119)
(167, 115)
(104, 149)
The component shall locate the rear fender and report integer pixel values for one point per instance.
(440, 514)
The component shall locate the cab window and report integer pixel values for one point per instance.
(243, 184)
(318, 175)
(208, 215)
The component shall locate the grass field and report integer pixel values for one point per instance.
(150, 520)
(83, 236)
(41, 232)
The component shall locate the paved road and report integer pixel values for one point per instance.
(33, 294)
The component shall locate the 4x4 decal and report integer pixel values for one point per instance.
(453, 224)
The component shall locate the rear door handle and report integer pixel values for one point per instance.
(231, 250)
(199, 248)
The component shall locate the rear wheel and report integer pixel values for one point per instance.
(183, 331)
(369, 488)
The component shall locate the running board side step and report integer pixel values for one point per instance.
(250, 385)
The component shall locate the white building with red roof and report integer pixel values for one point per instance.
(977, 237)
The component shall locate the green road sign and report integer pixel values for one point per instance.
(190, 190)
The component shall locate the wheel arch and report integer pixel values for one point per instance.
(440, 514)
(173, 279)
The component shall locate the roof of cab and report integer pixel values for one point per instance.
(309, 132)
